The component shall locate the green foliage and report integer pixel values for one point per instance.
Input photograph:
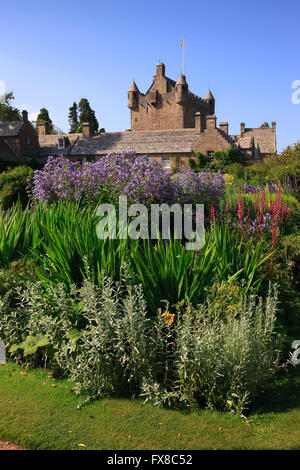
(201, 162)
(282, 169)
(87, 114)
(197, 359)
(226, 157)
(222, 160)
(43, 116)
(223, 364)
(73, 118)
(17, 234)
(236, 169)
(8, 112)
(264, 125)
(31, 344)
(13, 184)
(61, 248)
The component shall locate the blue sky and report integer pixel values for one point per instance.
(247, 53)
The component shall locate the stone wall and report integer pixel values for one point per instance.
(210, 139)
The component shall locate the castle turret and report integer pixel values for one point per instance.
(133, 94)
(180, 89)
(209, 98)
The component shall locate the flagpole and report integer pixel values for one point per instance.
(183, 58)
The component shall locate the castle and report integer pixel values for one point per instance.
(168, 123)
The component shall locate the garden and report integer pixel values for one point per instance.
(144, 326)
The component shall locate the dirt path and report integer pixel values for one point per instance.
(4, 445)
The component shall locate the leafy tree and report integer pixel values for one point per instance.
(86, 114)
(73, 118)
(264, 124)
(44, 116)
(8, 112)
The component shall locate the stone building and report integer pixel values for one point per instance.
(167, 105)
(168, 123)
(18, 140)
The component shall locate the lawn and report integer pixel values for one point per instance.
(37, 415)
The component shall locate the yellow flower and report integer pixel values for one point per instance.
(168, 317)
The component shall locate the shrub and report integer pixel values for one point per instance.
(200, 164)
(228, 156)
(203, 187)
(13, 186)
(140, 179)
(236, 169)
(282, 169)
(114, 352)
(104, 342)
(215, 363)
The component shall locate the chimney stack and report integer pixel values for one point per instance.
(224, 127)
(274, 125)
(86, 129)
(198, 123)
(160, 69)
(242, 129)
(43, 128)
(25, 116)
(211, 122)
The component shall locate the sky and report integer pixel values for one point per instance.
(247, 53)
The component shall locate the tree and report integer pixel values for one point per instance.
(73, 118)
(264, 124)
(44, 117)
(86, 114)
(8, 112)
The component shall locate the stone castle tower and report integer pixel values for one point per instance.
(167, 105)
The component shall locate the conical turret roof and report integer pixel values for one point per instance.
(209, 96)
(181, 80)
(133, 87)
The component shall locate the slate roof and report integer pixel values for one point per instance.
(145, 142)
(263, 138)
(6, 152)
(245, 142)
(49, 144)
(149, 142)
(11, 128)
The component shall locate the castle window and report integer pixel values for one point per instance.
(165, 162)
(210, 154)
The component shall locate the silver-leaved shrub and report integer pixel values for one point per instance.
(104, 341)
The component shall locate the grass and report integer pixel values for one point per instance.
(36, 415)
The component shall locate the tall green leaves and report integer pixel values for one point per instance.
(16, 233)
(63, 245)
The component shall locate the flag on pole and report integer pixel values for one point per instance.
(182, 43)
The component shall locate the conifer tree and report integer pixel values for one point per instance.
(87, 114)
(44, 116)
(73, 118)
